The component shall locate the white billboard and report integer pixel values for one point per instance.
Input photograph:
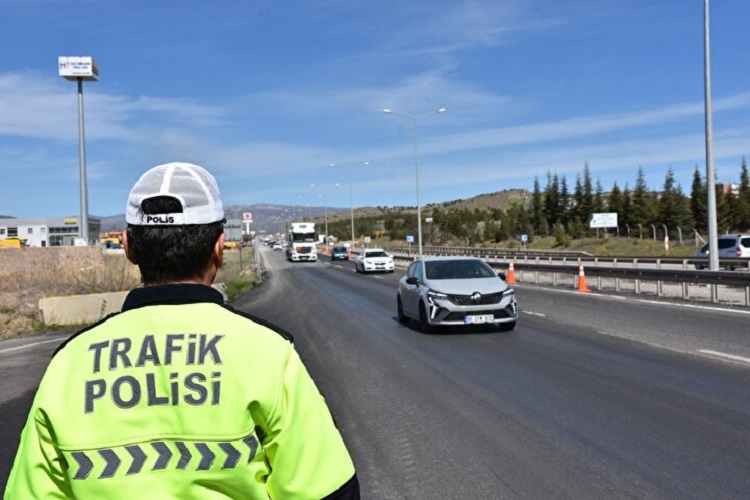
(603, 220)
(73, 68)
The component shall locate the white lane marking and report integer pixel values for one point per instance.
(532, 313)
(724, 355)
(29, 346)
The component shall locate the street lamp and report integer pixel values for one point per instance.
(351, 204)
(325, 206)
(80, 69)
(713, 232)
(416, 166)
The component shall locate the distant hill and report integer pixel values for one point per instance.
(271, 218)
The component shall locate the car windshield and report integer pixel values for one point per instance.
(457, 269)
(339, 250)
(376, 254)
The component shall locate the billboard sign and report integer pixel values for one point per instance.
(73, 68)
(603, 220)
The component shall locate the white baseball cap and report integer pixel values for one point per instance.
(191, 185)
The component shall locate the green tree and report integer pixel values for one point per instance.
(643, 208)
(743, 199)
(598, 202)
(673, 207)
(699, 202)
(537, 209)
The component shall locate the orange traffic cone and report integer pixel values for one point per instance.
(511, 278)
(582, 287)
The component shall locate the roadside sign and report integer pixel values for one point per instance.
(410, 238)
(603, 220)
(73, 68)
(525, 238)
(247, 216)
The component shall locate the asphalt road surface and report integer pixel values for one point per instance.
(591, 396)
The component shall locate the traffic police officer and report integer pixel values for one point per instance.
(179, 395)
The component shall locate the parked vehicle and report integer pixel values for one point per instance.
(339, 253)
(13, 242)
(374, 259)
(730, 246)
(455, 292)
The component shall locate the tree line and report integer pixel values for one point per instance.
(557, 210)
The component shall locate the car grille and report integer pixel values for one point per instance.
(303, 249)
(466, 300)
(459, 316)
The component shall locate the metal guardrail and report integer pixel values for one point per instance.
(719, 282)
(525, 255)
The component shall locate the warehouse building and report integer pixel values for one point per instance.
(52, 232)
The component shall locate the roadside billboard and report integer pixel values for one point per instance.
(603, 220)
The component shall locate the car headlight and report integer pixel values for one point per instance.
(432, 296)
(509, 293)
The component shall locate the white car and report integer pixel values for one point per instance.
(455, 292)
(374, 259)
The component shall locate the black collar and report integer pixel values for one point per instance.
(182, 293)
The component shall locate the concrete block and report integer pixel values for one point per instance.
(80, 309)
(73, 310)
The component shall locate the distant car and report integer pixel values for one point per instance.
(277, 247)
(339, 253)
(730, 246)
(455, 292)
(374, 259)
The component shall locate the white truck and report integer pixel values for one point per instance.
(303, 242)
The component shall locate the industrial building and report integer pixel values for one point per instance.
(51, 232)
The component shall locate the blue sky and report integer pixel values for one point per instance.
(267, 95)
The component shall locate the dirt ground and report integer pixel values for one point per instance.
(29, 274)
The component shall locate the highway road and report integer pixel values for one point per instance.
(592, 396)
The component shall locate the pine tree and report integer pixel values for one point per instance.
(639, 209)
(615, 204)
(587, 205)
(552, 199)
(598, 204)
(673, 209)
(743, 199)
(537, 209)
(563, 207)
(699, 202)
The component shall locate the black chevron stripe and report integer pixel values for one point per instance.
(84, 465)
(207, 456)
(185, 455)
(165, 455)
(139, 458)
(233, 455)
(251, 443)
(113, 463)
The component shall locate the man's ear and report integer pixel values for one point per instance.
(218, 252)
(128, 250)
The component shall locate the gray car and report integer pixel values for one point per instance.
(455, 292)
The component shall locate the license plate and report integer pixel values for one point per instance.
(479, 319)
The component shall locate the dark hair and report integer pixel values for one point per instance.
(167, 254)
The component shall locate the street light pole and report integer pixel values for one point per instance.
(351, 204)
(713, 232)
(325, 211)
(416, 167)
